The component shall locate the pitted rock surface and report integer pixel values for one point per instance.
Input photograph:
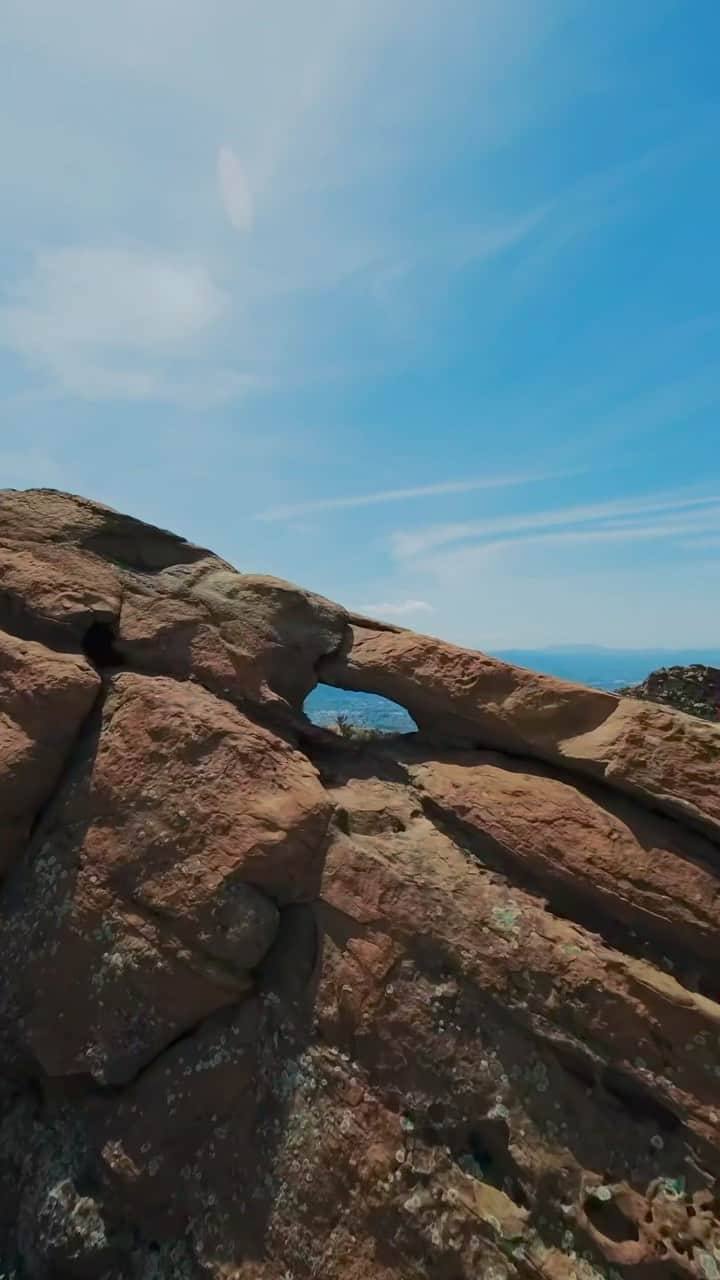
(275, 1005)
(694, 688)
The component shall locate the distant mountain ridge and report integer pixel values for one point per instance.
(580, 648)
(608, 648)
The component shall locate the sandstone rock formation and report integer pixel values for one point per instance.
(694, 689)
(275, 1005)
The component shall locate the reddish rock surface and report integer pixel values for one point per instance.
(665, 758)
(44, 700)
(275, 1005)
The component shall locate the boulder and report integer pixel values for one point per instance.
(694, 689)
(277, 1004)
(56, 593)
(46, 517)
(45, 698)
(244, 636)
(151, 889)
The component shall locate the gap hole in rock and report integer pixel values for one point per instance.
(355, 714)
(486, 1158)
(87, 1182)
(99, 646)
(610, 1221)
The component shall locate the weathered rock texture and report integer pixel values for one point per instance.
(276, 1006)
(694, 689)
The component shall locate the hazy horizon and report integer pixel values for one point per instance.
(604, 648)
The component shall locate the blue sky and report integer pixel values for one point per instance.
(414, 302)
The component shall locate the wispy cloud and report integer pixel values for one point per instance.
(120, 323)
(290, 121)
(406, 545)
(394, 609)
(234, 189)
(463, 559)
(451, 250)
(284, 511)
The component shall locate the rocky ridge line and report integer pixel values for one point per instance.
(694, 689)
(276, 1006)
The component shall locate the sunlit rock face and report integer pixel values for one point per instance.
(278, 1003)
